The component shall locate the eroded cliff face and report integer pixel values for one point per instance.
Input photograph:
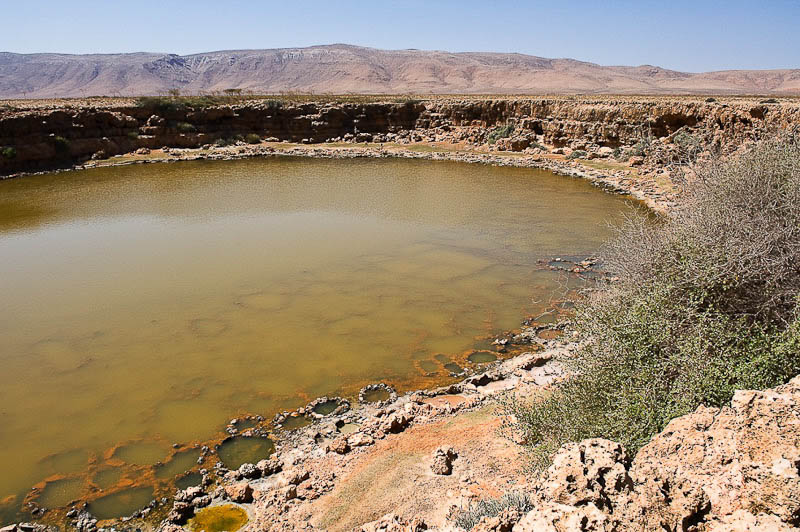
(660, 130)
(51, 138)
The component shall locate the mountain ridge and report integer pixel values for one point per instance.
(342, 68)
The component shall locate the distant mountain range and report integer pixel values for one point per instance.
(341, 68)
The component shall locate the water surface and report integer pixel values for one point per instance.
(147, 305)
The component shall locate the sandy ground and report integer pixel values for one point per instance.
(394, 475)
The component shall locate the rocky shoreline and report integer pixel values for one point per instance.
(659, 197)
(290, 476)
(295, 474)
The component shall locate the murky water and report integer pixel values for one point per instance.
(237, 451)
(147, 305)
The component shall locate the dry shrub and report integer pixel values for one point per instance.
(471, 516)
(706, 304)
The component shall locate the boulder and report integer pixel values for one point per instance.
(181, 511)
(269, 466)
(442, 463)
(397, 422)
(240, 492)
(714, 462)
(339, 445)
(360, 439)
(249, 471)
(592, 471)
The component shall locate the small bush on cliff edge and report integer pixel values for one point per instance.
(61, 145)
(501, 132)
(8, 152)
(706, 304)
(185, 127)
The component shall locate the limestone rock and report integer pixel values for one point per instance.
(339, 446)
(396, 422)
(181, 511)
(442, 463)
(359, 439)
(501, 523)
(554, 517)
(270, 466)
(249, 471)
(394, 523)
(239, 492)
(707, 471)
(592, 471)
(742, 521)
(714, 462)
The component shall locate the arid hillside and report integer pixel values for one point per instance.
(342, 69)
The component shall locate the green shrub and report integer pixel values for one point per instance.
(252, 138)
(639, 149)
(535, 144)
(688, 145)
(160, 104)
(471, 516)
(61, 145)
(578, 154)
(706, 304)
(222, 142)
(8, 152)
(185, 127)
(169, 104)
(133, 135)
(500, 133)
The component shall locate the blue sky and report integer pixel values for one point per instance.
(685, 35)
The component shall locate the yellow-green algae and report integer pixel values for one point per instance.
(223, 518)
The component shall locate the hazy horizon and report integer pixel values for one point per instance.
(681, 35)
(157, 52)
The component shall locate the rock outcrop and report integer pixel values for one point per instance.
(652, 131)
(442, 463)
(717, 469)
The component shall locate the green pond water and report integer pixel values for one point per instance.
(237, 451)
(178, 464)
(148, 305)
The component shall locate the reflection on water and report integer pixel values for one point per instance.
(152, 303)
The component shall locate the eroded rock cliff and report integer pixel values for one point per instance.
(656, 131)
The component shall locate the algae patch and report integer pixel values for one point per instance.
(224, 518)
